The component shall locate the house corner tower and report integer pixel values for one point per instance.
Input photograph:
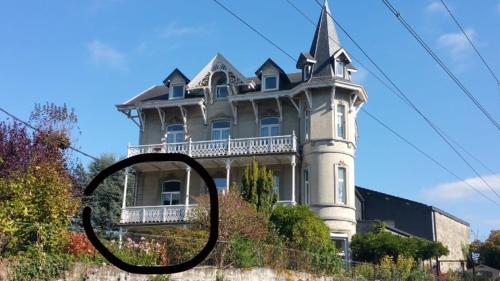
(330, 107)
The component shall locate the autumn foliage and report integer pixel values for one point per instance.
(79, 245)
(37, 198)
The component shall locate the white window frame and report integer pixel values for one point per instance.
(342, 237)
(171, 91)
(341, 199)
(307, 127)
(306, 73)
(270, 126)
(217, 87)
(341, 121)
(338, 63)
(175, 133)
(170, 193)
(212, 129)
(264, 86)
(306, 185)
(276, 187)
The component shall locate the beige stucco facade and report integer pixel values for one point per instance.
(454, 235)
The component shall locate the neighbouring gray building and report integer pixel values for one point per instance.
(409, 218)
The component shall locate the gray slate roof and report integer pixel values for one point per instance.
(367, 193)
(324, 43)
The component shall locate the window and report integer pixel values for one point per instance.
(306, 72)
(170, 192)
(175, 133)
(306, 186)
(341, 121)
(341, 185)
(306, 124)
(270, 82)
(220, 183)
(339, 68)
(270, 127)
(342, 245)
(220, 130)
(276, 188)
(222, 91)
(176, 91)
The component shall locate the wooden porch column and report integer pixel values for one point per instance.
(293, 163)
(124, 201)
(188, 179)
(228, 173)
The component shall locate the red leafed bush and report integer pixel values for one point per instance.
(79, 245)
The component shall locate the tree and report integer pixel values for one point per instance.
(302, 228)
(106, 201)
(36, 181)
(489, 250)
(373, 246)
(258, 185)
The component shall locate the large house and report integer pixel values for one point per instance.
(301, 125)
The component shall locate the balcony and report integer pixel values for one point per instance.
(218, 148)
(162, 213)
(155, 214)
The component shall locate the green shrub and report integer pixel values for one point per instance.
(34, 265)
(419, 275)
(364, 271)
(372, 247)
(243, 253)
(303, 228)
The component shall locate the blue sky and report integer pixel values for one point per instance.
(95, 54)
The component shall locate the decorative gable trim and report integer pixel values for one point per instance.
(216, 64)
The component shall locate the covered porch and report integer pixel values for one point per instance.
(165, 192)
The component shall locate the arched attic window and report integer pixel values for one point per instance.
(220, 82)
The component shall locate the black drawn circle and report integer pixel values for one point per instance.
(155, 157)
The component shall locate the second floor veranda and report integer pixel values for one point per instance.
(222, 147)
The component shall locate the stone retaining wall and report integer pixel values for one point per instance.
(81, 272)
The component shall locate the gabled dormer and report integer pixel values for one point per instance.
(219, 79)
(342, 64)
(305, 63)
(176, 82)
(271, 76)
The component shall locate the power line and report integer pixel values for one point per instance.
(471, 155)
(38, 130)
(255, 30)
(392, 90)
(436, 58)
(405, 100)
(426, 154)
(471, 43)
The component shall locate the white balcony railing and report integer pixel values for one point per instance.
(155, 214)
(163, 213)
(213, 148)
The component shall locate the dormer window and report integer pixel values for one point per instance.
(339, 68)
(270, 82)
(221, 92)
(177, 91)
(306, 72)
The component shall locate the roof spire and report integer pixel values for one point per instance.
(325, 43)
